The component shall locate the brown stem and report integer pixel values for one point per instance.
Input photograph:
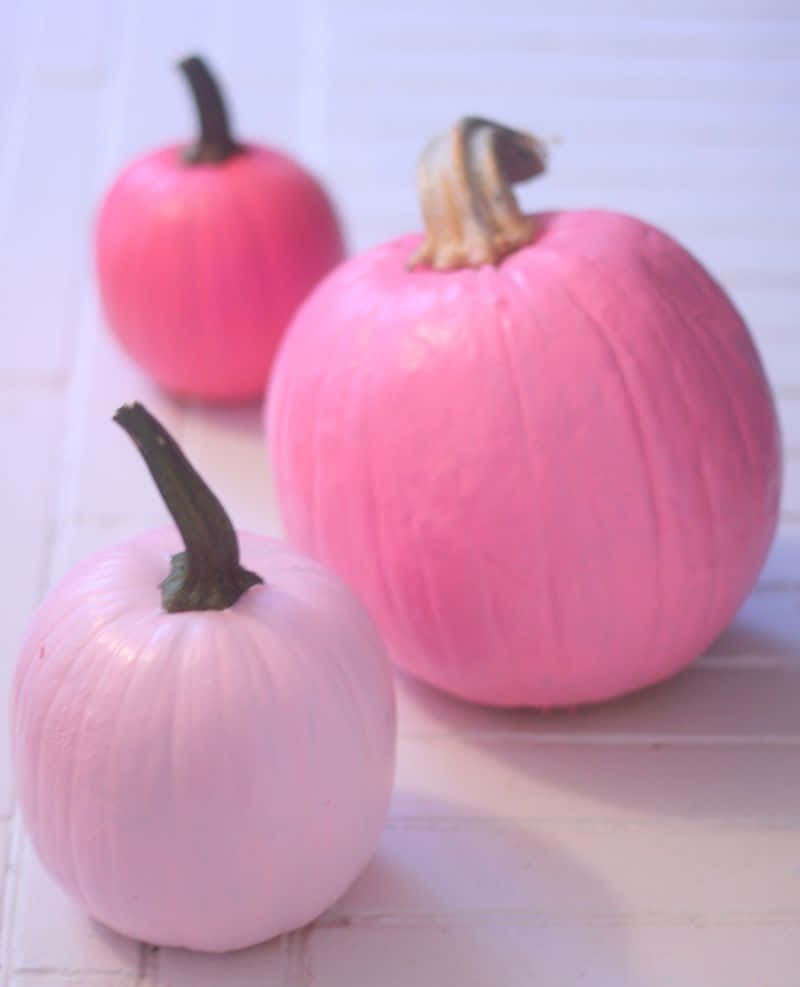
(464, 179)
(215, 143)
(207, 575)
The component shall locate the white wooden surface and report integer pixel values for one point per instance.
(653, 842)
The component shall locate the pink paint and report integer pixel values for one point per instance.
(201, 266)
(202, 779)
(552, 481)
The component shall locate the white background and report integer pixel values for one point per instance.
(654, 841)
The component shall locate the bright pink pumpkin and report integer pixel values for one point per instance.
(552, 477)
(204, 252)
(202, 777)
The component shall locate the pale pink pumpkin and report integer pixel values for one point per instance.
(204, 252)
(210, 777)
(553, 477)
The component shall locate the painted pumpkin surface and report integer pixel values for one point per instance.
(209, 766)
(204, 250)
(541, 448)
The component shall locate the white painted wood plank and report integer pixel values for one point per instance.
(261, 966)
(446, 953)
(709, 81)
(612, 10)
(782, 362)
(543, 30)
(782, 568)
(261, 65)
(68, 978)
(20, 25)
(78, 46)
(518, 72)
(111, 480)
(5, 863)
(766, 626)
(62, 978)
(43, 241)
(30, 427)
(156, 108)
(46, 195)
(450, 778)
(791, 486)
(659, 873)
(227, 447)
(789, 412)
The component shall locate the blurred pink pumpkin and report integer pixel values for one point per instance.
(212, 771)
(204, 251)
(542, 449)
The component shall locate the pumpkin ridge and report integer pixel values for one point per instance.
(312, 483)
(558, 634)
(712, 354)
(111, 759)
(484, 280)
(679, 389)
(648, 472)
(373, 518)
(172, 741)
(751, 460)
(53, 704)
(78, 617)
(716, 521)
(125, 270)
(520, 661)
(263, 255)
(106, 667)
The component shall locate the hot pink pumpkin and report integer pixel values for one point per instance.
(215, 771)
(552, 472)
(204, 252)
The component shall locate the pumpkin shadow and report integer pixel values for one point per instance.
(662, 751)
(470, 901)
(768, 623)
(444, 900)
(766, 628)
(243, 418)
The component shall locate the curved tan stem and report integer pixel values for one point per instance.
(464, 179)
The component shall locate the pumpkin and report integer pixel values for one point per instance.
(205, 250)
(541, 448)
(211, 767)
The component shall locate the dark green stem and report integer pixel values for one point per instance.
(215, 143)
(207, 575)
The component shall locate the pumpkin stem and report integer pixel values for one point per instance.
(215, 143)
(207, 575)
(464, 179)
